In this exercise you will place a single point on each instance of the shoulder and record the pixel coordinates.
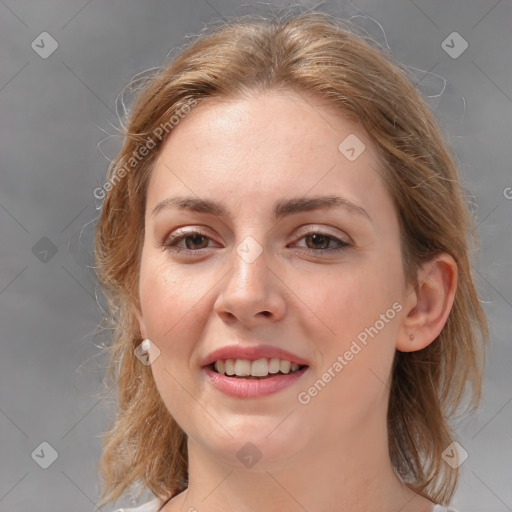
(150, 506)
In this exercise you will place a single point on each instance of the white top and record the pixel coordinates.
(152, 506)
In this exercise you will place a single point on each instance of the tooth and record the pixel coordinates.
(284, 366)
(242, 367)
(259, 368)
(273, 365)
(229, 366)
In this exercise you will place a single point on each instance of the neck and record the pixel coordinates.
(351, 469)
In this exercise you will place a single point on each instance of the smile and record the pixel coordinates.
(243, 378)
(260, 368)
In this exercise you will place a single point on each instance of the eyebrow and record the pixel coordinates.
(282, 208)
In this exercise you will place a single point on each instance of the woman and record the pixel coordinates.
(284, 248)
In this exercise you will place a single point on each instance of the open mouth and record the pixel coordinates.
(244, 378)
(229, 372)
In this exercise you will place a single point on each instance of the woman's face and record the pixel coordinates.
(248, 279)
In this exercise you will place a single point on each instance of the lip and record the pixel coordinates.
(252, 353)
(248, 388)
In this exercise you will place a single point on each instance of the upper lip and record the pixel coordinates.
(252, 353)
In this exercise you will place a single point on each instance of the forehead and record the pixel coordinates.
(273, 144)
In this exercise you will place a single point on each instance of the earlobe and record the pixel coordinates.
(428, 306)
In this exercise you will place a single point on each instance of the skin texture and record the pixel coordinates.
(248, 154)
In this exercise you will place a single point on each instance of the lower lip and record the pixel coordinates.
(248, 388)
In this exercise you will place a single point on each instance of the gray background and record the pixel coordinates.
(57, 118)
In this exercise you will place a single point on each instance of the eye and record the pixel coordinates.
(192, 240)
(316, 242)
(319, 242)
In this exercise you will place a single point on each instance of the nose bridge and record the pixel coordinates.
(249, 267)
(251, 287)
(249, 250)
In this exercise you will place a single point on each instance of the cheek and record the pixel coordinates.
(169, 296)
(353, 298)
(170, 302)
(365, 343)
(360, 305)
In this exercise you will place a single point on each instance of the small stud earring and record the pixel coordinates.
(145, 345)
(147, 352)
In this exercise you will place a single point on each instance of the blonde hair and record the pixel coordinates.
(316, 54)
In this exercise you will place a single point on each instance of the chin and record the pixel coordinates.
(252, 448)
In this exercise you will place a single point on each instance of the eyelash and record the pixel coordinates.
(171, 243)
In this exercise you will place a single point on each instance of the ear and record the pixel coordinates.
(428, 304)
(140, 320)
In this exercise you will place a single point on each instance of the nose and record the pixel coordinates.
(251, 292)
